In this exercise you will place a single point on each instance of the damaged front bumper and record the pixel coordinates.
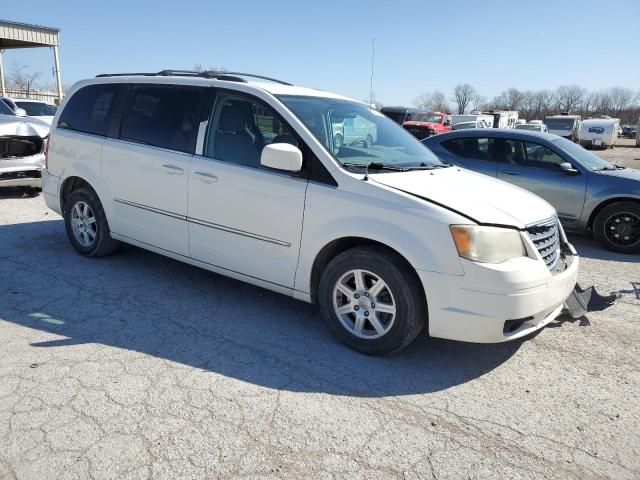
(21, 161)
(494, 303)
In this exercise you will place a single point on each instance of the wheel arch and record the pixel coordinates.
(606, 203)
(70, 185)
(339, 245)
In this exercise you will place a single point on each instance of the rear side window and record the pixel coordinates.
(89, 110)
(474, 148)
(165, 116)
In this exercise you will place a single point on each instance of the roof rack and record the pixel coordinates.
(218, 75)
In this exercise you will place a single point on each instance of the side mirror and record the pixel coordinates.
(567, 168)
(20, 112)
(282, 156)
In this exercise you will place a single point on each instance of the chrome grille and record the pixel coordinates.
(546, 238)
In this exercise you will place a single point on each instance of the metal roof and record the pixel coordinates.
(24, 35)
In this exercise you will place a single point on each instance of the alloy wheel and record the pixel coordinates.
(364, 304)
(83, 224)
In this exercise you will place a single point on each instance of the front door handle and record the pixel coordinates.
(205, 177)
(172, 170)
(509, 172)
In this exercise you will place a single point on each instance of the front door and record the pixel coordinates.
(147, 168)
(243, 217)
(536, 167)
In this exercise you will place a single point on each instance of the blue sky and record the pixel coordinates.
(420, 46)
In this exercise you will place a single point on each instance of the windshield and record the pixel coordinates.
(427, 117)
(559, 123)
(534, 127)
(357, 135)
(582, 155)
(37, 109)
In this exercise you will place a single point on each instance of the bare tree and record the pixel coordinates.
(199, 68)
(621, 99)
(569, 97)
(22, 77)
(463, 95)
(478, 102)
(435, 101)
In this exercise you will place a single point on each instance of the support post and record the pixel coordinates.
(57, 73)
(3, 88)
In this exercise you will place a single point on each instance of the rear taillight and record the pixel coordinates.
(46, 152)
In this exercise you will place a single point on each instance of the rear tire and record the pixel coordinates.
(373, 318)
(86, 224)
(617, 227)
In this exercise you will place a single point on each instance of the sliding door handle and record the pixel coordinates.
(205, 177)
(509, 172)
(172, 170)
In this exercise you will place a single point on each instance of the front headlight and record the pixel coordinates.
(487, 244)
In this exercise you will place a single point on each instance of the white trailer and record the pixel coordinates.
(472, 117)
(599, 132)
(503, 118)
(567, 126)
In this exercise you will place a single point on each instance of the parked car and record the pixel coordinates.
(567, 126)
(36, 108)
(354, 131)
(399, 114)
(473, 124)
(424, 124)
(22, 144)
(599, 132)
(533, 127)
(242, 179)
(590, 194)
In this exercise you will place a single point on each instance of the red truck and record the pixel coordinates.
(425, 124)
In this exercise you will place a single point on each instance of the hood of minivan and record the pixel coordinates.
(479, 197)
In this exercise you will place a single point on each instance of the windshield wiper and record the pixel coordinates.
(427, 166)
(375, 166)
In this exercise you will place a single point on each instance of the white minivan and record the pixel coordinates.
(244, 179)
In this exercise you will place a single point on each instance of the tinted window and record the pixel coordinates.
(164, 116)
(5, 109)
(542, 157)
(89, 109)
(513, 152)
(241, 127)
(475, 148)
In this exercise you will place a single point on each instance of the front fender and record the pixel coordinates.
(423, 240)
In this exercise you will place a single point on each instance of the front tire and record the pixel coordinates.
(86, 224)
(617, 227)
(372, 300)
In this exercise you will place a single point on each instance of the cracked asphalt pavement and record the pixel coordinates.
(138, 366)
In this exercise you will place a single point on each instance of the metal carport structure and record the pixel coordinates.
(22, 35)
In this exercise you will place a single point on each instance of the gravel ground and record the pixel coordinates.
(137, 366)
